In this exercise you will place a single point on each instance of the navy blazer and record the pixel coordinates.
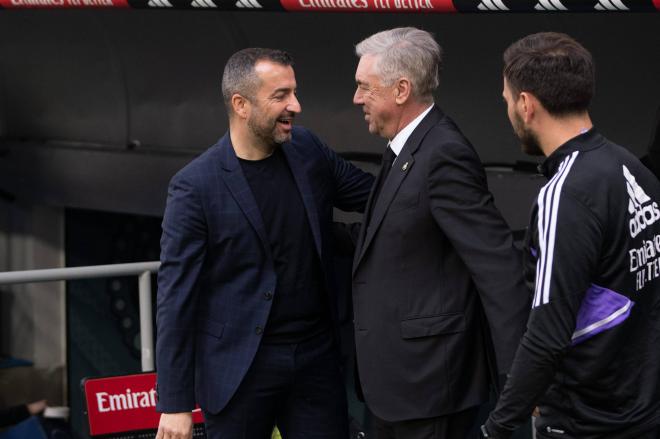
(217, 275)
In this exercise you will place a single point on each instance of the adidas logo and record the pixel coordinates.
(643, 212)
(492, 5)
(610, 5)
(550, 5)
(203, 4)
(160, 4)
(249, 4)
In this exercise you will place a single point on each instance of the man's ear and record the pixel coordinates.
(527, 106)
(240, 105)
(402, 90)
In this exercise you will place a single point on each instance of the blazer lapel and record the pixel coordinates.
(365, 217)
(300, 175)
(379, 207)
(233, 176)
(400, 168)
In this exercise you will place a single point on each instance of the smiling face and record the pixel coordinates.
(528, 139)
(377, 100)
(274, 105)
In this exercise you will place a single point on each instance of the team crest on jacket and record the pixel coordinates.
(642, 209)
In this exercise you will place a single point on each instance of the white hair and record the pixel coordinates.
(405, 51)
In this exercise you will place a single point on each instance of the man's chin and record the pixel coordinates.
(282, 138)
(373, 129)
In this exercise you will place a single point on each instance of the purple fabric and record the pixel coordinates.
(534, 252)
(598, 308)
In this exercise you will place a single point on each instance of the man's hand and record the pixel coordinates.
(175, 426)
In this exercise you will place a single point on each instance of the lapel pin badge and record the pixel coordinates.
(404, 167)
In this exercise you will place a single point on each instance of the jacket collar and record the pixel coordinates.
(376, 209)
(235, 180)
(583, 142)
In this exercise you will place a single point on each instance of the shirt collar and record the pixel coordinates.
(400, 139)
(585, 141)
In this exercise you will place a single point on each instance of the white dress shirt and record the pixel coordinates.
(400, 139)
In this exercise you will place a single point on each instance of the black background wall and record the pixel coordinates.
(99, 108)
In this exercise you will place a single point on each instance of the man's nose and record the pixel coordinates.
(294, 105)
(357, 97)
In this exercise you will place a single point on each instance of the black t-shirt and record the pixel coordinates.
(299, 309)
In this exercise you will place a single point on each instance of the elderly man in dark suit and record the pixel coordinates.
(247, 311)
(437, 282)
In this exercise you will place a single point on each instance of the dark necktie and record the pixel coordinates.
(386, 165)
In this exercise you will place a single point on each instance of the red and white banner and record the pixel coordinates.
(369, 5)
(351, 6)
(123, 403)
(9, 4)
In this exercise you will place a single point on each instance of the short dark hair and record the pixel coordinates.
(555, 68)
(239, 75)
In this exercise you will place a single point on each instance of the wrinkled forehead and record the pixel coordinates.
(367, 69)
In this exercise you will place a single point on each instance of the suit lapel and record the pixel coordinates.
(367, 214)
(300, 175)
(233, 176)
(379, 207)
(405, 160)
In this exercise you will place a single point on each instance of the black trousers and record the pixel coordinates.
(453, 426)
(297, 387)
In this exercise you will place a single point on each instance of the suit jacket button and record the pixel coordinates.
(259, 330)
(268, 295)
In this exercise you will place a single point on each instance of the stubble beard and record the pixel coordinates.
(266, 130)
(529, 141)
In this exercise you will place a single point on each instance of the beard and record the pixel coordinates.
(266, 129)
(529, 141)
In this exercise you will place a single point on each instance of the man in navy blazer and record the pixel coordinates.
(247, 312)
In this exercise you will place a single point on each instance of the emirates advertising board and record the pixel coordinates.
(402, 6)
(124, 403)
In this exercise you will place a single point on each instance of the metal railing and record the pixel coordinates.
(141, 269)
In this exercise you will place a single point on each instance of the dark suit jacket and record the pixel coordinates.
(217, 276)
(433, 258)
